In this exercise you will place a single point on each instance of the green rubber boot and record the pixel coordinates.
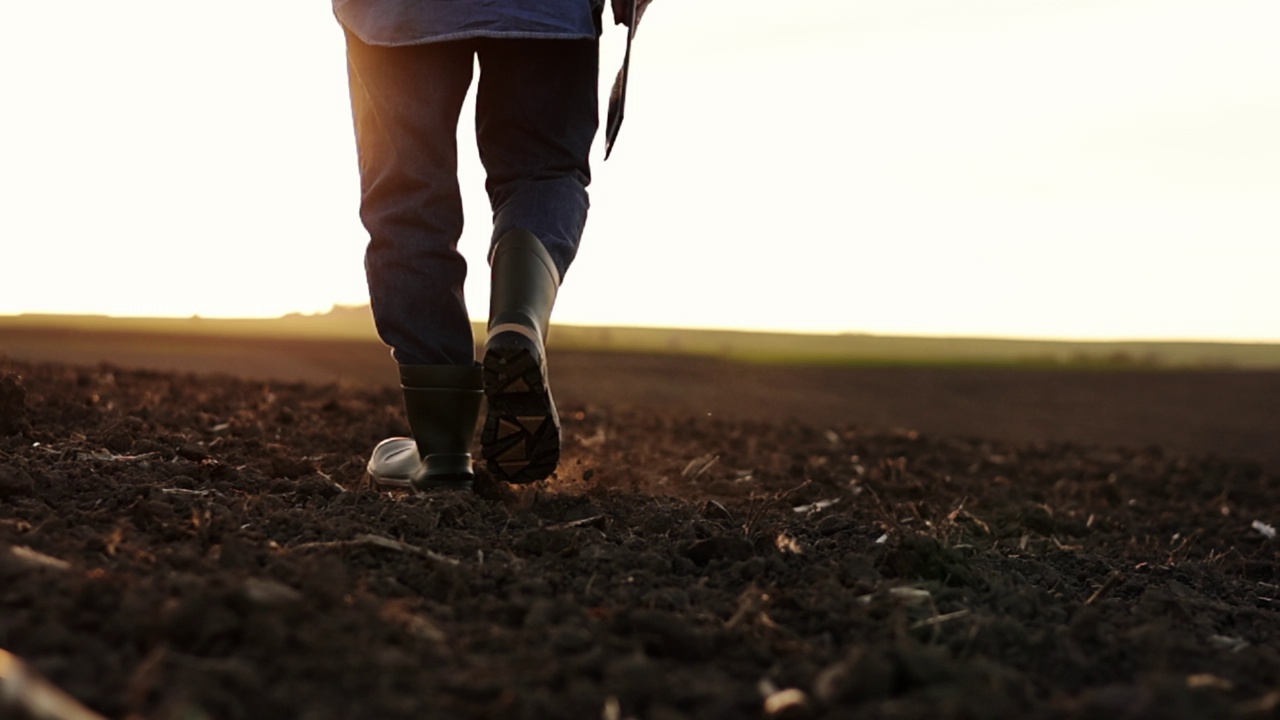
(443, 404)
(520, 441)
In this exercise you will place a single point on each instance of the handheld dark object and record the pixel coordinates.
(618, 95)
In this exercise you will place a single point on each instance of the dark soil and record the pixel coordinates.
(195, 546)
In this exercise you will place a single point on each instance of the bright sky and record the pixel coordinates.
(1064, 168)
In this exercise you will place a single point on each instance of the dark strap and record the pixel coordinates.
(618, 95)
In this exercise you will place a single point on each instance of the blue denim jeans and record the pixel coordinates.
(536, 117)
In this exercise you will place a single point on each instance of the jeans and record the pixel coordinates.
(536, 117)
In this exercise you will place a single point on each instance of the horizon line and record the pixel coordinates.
(692, 328)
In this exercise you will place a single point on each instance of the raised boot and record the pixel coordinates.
(520, 441)
(442, 403)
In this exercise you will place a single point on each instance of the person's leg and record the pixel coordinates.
(535, 121)
(536, 117)
(405, 102)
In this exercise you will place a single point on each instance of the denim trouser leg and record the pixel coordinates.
(405, 102)
(536, 118)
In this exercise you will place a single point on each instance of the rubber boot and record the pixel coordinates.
(520, 441)
(442, 403)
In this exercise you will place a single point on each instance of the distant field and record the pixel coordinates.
(354, 323)
(782, 348)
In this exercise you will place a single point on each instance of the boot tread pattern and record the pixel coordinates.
(520, 441)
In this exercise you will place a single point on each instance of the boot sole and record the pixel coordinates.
(520, 442)
(427, 486)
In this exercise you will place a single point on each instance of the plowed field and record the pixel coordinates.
(188, 546)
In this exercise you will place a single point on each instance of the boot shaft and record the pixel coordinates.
(524, 284)
(442, 403)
